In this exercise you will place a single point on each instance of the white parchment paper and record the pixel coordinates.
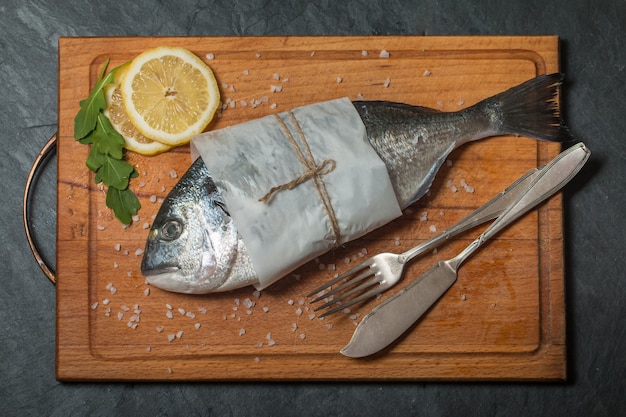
(248, 159)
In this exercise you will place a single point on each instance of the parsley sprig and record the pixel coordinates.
(106, 158)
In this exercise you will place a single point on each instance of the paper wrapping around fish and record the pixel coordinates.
(298, 183)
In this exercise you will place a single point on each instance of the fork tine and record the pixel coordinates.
(368, 272)
(358, 288)
(362, 297)
(354, 290)
(351, 271)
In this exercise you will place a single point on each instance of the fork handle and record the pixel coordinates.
(488, 211)
(551, 178)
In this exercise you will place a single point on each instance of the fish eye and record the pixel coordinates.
(171, 230)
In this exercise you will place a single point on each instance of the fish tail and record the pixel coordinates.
(531, 109)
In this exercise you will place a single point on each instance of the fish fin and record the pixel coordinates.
(530, 109)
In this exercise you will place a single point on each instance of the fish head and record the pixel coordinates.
(192, 243)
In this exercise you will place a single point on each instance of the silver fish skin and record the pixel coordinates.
(194, 247)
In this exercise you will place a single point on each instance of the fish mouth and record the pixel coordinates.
(149, 272)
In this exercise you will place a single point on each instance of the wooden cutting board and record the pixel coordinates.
(503, 319)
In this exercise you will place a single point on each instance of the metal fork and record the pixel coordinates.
(385, 269)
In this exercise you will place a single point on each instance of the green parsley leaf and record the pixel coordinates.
(106, 157)
(124, 203)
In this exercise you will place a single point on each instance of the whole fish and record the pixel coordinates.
(194, 246)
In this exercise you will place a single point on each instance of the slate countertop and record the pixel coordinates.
(592, 55)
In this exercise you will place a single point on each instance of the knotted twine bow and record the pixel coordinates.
(313, 172)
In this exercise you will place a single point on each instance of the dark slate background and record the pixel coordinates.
(593, 56)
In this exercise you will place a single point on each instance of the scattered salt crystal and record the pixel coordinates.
(290, 302)
(461, 102)
(313, 53)
(266, 309)
(245, 72)
(294, 327)
(243, 103)
(136, 218)
(311, 316)
(106, 301)
(387, 82)
(169, 370)
(464, 297)
(256, 294)
(168, 306)
(426, 73)
(146, 225)
(248, 303)
(364, 53)
(339, 80)
(160, 329)
(360, 96)
(94, 305)
(347, 310)
(148, 349)
(277, 76)
(197, 326)
(100, 227)
(432, 228)
(424, 216)
(107, 312)
(299, 311)
(328, 326)
(466, 187)
(171, 337)
(181, 311)
(232, 90)
(190, 315)
(146, 292)
(210, 56)
(120, 315)
(257, 359)
(173, 174)
(321, 267)
(169, 314)
(331, 267)
(179, 334)
(397, 241)
(202, 310)
(139, 252)
(276, 88)
(448, 163)
(346, 260)
(117, 247)
(125, 308)
(116, 265)
(384, 54)
(301, 301)
(302, 336)
(258, 55)
(242, 332)
(271, 342)
(273, 106)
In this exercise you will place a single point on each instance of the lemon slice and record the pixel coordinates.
(169, 94)
(116, 113)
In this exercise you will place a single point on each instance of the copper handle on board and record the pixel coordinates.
(48, 149)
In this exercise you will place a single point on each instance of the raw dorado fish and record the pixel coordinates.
(194, 246)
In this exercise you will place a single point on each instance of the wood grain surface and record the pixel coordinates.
(503, 320)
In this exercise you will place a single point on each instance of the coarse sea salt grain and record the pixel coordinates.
(169, 314)
(242, 332)
(179, 334)
(181, 311)
(384, 54)
(146, 292)
(197, 326)
(426, 73)
(94, 305)
(387, 82)
(210, 56)
(160, 329)
(117, 247)
(171, 337)
(432, 228)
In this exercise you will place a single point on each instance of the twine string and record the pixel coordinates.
(312, 172)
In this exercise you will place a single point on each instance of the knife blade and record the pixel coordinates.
(393, 317)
